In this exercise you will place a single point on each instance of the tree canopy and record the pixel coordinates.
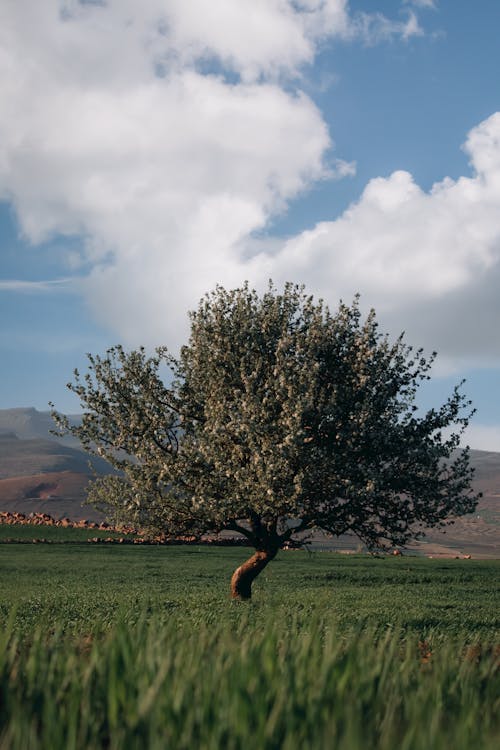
(278, 417)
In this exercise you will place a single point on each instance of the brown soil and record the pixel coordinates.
(59, 494)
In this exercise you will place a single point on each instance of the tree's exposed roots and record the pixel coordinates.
(243, 577)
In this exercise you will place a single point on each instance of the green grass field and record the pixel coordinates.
(141, 647)
(55, 534)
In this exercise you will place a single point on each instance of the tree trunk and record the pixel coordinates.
(243, 577)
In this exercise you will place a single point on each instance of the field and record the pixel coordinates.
(56, 534)
(135, 647)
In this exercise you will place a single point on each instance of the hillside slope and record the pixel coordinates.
(40, 474)
(25, 457)
(27, 423)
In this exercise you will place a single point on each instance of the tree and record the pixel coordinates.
(280, 418)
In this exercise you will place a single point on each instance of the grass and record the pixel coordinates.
(132, 647)
(54, 534)
(248, 686)
(85, 588)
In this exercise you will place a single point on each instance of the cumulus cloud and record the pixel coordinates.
(109, 130)
(122, 41)
(415, 244)
(167, 134)
(161, 132)
(428, 261)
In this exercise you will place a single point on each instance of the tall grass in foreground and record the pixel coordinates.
(247, 686)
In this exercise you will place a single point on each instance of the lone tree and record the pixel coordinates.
(280, 418)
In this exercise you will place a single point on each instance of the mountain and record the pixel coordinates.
(42, 473)
(28, 423)
(26, 457)
(477, 534)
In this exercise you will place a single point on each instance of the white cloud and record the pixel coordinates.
(421, 3)
(428, 261)
(124, 40)
(112, 127)
(35, 287)
(165, 176)
(373, 28)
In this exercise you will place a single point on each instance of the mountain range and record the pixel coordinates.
(40, 472)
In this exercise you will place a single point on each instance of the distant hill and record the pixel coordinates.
(25, 457)
(477, 534)
(41, 473)
(28, 423)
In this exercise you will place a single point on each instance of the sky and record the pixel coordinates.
(152, 149)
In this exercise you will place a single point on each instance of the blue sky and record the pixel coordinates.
(149, 150)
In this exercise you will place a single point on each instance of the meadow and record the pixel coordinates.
(134, 647)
